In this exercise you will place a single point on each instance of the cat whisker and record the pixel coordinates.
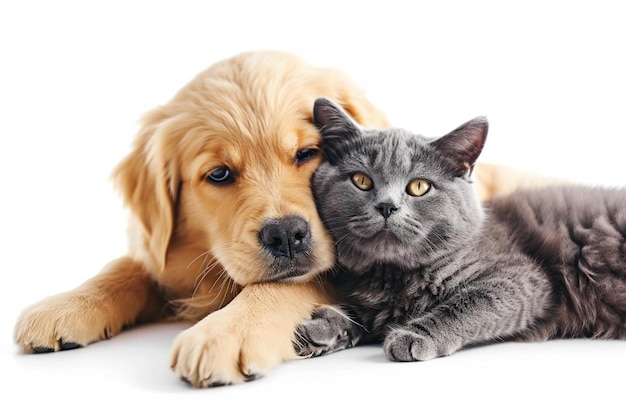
(347, 317)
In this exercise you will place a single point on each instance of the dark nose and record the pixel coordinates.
(386, 209)
(285, 237)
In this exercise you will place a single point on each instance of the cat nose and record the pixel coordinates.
(285, 237)
(386, 209)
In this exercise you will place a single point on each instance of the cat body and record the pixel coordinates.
(426, 269)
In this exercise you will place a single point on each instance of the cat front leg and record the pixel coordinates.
(328, 330)
(485, 310)
(438, 332)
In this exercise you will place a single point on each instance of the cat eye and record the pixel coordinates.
(220, 176)
(418, 188)
(362, 181)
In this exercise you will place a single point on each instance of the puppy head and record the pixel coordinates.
(225, 168)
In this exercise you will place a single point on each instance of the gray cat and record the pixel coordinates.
(424, 268)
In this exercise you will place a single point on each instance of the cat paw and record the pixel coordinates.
(328, 330)
(406, 346)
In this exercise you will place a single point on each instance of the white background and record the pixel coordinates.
(76, 76)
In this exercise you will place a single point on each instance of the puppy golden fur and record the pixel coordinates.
(215, 179)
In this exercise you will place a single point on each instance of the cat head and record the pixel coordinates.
(394, 197)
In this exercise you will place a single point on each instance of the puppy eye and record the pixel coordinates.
(304, 155)
(418, 188)
(220, 176)
(362, 181)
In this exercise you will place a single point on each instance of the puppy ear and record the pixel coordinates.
(353, 99)
(364, 112)
(148, 181)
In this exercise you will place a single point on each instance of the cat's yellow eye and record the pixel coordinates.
(362, 181)
(418, 188)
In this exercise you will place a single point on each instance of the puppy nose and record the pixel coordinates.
(286, 236)
(386, 209)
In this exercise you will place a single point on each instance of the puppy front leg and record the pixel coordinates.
(249, 337)
(121, 294)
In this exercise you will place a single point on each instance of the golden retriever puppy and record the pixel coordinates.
(223, 229)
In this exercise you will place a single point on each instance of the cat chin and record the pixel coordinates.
(366, 257)
(361, 253)
(386, 237)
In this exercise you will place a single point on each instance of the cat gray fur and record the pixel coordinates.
(430, 275)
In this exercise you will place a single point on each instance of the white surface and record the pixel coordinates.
(76, 78)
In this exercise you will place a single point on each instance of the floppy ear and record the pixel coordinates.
(464, 144)
(352, 98)
(363, 111)
(148, 181)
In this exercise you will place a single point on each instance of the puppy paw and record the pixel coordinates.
(329, 330)
(223, 349)
(62, 322)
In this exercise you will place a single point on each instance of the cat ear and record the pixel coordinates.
(331, 117)
(464, 144)
(336, 127)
